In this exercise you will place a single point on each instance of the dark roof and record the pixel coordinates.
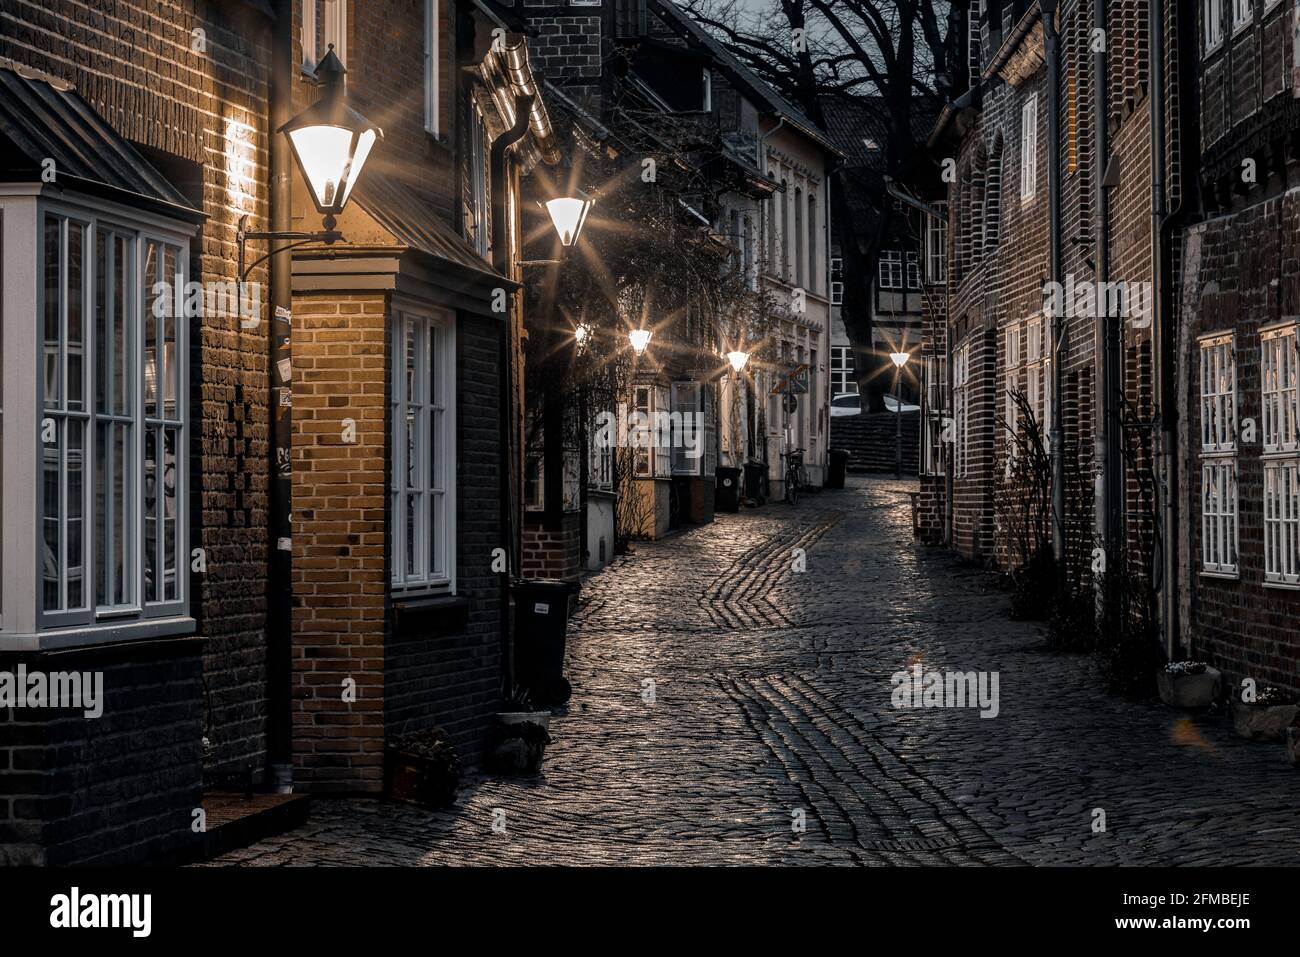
(749, 82)
(402, 211)
(45, 118)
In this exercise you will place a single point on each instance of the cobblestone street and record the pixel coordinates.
(772, 697)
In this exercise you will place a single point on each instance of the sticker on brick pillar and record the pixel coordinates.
(284, 544)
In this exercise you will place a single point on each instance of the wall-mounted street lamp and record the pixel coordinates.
(640, 339)
(582, 336)
(900, 358)
(568, 216)
(737, 360)
(331, 143)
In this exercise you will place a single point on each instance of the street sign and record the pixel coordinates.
(794, 382)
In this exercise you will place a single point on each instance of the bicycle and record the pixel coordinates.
(796, 476)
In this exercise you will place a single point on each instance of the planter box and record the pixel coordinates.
(422, 768)
(518, 742)
(1189, 691)
(1268, 723)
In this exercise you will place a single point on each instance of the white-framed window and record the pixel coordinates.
(112, 428)
(432, 66)
(813, 284)
(600, 464)
(1243, 12)
(913, 271)
(936, 387)
(842, 369)
(1029, 148)
(687, 428)
(961, 410)
(1037, 360)
(1279, 376)
(891, 269)
(837, 281)
(1218, 395)
(422, 480)
(1218, 377)
(936, 247)
(1212, 23)
(477, 213)
(1010, 415)
(652, 447)
(324, 22)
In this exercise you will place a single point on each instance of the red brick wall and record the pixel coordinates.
(552, 553)
(339, 556)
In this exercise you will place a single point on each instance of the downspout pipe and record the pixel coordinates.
(1052, 56)
(1164, 332)
(279, 565)
(1106, 373)
(503, 260)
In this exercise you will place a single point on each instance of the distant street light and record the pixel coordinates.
(900, 360)
(640, 340)
(737, 360)
(582, 336)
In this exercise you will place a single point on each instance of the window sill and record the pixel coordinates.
(430, 615)
(1223, 576)
(1282, 586)
(85, 636)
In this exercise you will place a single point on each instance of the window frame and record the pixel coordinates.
(936, 247)
(1212, 16)
(28, 625)
(478, 205)
(335, 21)
(436, 343)
(432, 79)
(1029, 148)
(1243, 15)
(1220, 505)
(893, 260)
(1279, 376)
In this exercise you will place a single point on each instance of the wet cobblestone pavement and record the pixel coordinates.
(772, 703)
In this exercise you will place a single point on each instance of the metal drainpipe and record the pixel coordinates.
(1163, 333)
(1051, 46)
(279, 581)
(503, 256)
(1104, 487)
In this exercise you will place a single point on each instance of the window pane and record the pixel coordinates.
(76, 324)
(76, 545)
(123, 367)
(53, 294)
(171, 515)
(151, 590)
(104, 247)
(152, 269)
(168, 322)
(52, 516)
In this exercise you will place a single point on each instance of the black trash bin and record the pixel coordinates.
(839, 463)
(726, 497)
(541, 624)
(756, 482)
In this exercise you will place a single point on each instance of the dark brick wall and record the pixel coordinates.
(1241, 274)
(116, 789)
(135, 62)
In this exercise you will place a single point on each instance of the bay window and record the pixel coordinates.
(103, 465)
(423, 467)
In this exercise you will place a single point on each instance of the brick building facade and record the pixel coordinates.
(153, 523)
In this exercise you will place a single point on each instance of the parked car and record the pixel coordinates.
(846, 403)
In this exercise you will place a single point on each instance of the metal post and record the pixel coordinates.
(898, 425)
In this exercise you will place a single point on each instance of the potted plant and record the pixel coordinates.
(1267, 717)
(520, 736)
(422, 768)
(1188, 684)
